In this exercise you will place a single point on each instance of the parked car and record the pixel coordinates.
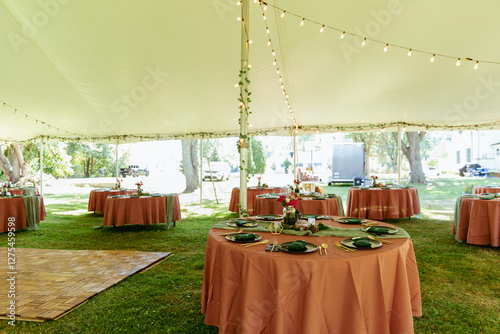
(472, 170)
(133, 170)
(220, 171)
(430, 171)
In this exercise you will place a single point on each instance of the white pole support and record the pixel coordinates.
(243, 144)
(399, 154)
(116, 167)
(41, 166)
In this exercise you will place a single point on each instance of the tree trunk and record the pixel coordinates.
(190, 164)
(11, 164)
(412, 153)
(18, 149)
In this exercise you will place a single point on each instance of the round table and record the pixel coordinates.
(477, 190)
(478, 221)
(144, 210)
(249, 290)
(252, 194)
(97, 197)
(382, 203)
(14, 208)
(328, 206)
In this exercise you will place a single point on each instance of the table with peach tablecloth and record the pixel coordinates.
(249, 290)
(252, 194)
(97, 197)
(14, 209)
(485, 189)
(380, 203)
(311, 206)
(144, 210)
(477, 221)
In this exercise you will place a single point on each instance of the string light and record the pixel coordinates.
(342, 35)
(238, 18)
(250, 41)
(238, 3)
(283, 14)
(302, 22)
(269, 42)
(264, 17)
(265, 7)
(476, 65)
(267, 30)
(458, 62)
(433, 58)
(322, 28)
(386, 47)
(409, 53)
(364, 42)
(236, 85)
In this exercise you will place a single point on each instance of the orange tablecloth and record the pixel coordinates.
(479, 222)
(329, 206)
(482, 189)
(252, 194)
(248, 290)
(14, 207)
(97, 198)
(382, 204)
(21, 191)
(139, 211)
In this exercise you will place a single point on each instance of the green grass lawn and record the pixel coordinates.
(460, 283)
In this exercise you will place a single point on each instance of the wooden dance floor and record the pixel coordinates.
(49, 283)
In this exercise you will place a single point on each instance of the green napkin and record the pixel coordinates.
(378, 230)
(361, 243)
(245, 237)
(241, 223)
(352, 220)
(298, 246)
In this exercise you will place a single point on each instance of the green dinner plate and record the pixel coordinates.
(232, 238)
(309, 248)
(351, 220)
(270, 217)
(350, 243)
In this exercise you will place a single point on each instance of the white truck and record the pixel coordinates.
(348, 163)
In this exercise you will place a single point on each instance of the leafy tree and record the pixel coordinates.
(287, 165)
(256, 157)
(88, 159)
(12, 162)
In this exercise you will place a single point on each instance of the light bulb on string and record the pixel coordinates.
(236, 85)
(433, 58)
(265, 7)
(383, 129)
(458, 62)
(250, 41)
(278, 71)
(283, 14)
(269, 42)
(364, 42)
(302, 22)
(476, 65)
(386, 47)
(264, 17)
(322, 28)
(342, 35)
(274, 53)
(409, 52)
(267, 30)
(238, 3)
(274, 63)
(238, 18)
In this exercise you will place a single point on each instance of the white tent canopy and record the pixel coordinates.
(132, 70)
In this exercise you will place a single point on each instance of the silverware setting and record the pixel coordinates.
(344, 248)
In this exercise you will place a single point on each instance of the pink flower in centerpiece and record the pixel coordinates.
(289, 200)
(139, 184)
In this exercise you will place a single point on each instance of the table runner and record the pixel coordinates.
(32, 207)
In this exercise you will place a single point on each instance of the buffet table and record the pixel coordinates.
(485, 189)
(249, 290)
(311, 206)
(144, 210)
(252, 194)
(380, 204)
(26, 216)
(97, 197)
(477, 221)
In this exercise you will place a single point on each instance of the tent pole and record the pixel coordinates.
(243, 144)
(116, 167)
(295, 160)
(41, 166)
(399, 154)
(201, 172)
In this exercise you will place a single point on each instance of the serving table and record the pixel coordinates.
(143, 210)
(307, 205)
(248, 290)
(252, 193)
(477, 221)
(97, 197)
(26, 212)
(485, 189)
(382, 203)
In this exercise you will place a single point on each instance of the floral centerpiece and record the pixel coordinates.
(297, 186)
(374, 181)
(258, 181)
(139, 187)
(118, 184)
(289, 202)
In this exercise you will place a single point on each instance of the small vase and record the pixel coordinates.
(289, 218)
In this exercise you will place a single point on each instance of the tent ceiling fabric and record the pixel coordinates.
(129, 69)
